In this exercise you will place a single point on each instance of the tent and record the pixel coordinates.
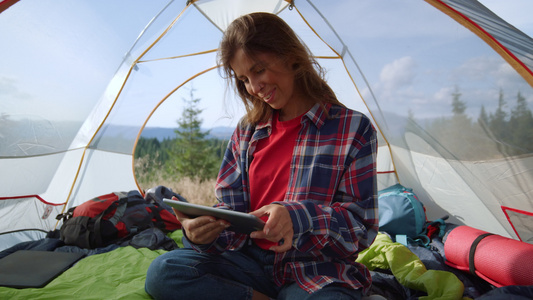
(81, 80)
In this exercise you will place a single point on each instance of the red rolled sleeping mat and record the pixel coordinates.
(499, 260)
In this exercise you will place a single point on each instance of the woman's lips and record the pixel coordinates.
(269, 96)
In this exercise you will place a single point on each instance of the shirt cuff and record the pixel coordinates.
(301, 219)
(202, 248)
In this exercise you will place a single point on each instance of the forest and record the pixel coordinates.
(507, 131)
(193, 157)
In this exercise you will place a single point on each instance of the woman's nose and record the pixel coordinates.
(255, 87)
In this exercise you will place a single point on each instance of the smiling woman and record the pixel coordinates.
(415, 68)
(268, 78)
(299, 160)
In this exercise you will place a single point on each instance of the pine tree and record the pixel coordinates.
(461, 123)
(483, 118)
(458, 106)
(191, 154)
(498, 120)
(521, 123)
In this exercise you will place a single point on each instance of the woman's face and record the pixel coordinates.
(270, 79)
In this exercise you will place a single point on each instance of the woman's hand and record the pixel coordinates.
(201, 230)
(278, 228)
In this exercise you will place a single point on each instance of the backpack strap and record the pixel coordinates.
(421, 240)
(122, 204)
(66, 215)
(119, 206)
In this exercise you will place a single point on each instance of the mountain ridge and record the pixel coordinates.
(161, 133)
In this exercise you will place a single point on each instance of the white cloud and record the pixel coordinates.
(477, 68)
(443, 94)
(403, 87)
(398, 74)
(489, 73)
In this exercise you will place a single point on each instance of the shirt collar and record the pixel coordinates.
(317, 115)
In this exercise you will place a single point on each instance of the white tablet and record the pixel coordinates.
(240, 222)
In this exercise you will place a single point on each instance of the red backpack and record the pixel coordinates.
(115, 217)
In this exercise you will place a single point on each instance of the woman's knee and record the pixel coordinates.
(156, 276)
(167, 271)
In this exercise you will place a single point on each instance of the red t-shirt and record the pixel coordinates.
(269, 170)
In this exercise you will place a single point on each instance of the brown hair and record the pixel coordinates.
(267, 33)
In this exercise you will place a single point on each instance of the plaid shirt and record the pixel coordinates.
(331, 197)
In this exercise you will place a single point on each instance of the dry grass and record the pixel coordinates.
(192, 190)
(195, 191)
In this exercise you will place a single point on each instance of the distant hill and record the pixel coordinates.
(161, 133)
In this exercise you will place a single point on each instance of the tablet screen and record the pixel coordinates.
(240, 222)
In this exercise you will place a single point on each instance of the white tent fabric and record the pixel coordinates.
(80, 81)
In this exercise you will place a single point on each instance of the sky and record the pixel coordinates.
(401, 76)
(54, 59)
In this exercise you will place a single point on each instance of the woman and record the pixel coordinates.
(298, 159)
